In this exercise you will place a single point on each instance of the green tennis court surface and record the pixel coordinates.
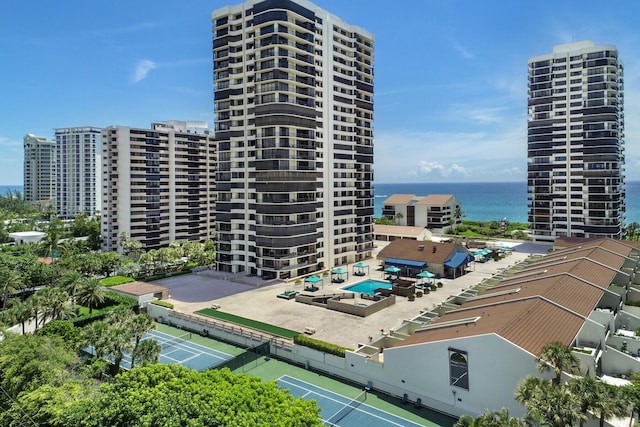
(180, 350)
(249, 323)
(339, 410)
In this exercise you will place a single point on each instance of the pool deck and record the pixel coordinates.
(259, 300)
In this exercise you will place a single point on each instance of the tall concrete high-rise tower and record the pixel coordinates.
(576, 142)
(39, 169)
(78, 158)
(294, 126)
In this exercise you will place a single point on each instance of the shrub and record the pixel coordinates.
(325, 347)
(439, 284)
(163, 304)
(64, 329)
(112, 299)
(427, 290)
(418, 294)
(412, 297)
(635, 303)
(116, 280)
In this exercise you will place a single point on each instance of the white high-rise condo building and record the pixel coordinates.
(158, 184)
(576, 142)
(39, 169)
(78, 152)
(294, 125)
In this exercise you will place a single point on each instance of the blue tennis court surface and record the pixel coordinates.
(339, 410)
(183, 352)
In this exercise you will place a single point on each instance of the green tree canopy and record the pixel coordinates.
(172, 395)
(30, 361)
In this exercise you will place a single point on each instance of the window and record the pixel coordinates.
(458, 369)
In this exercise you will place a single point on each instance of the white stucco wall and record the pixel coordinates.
(496, 367)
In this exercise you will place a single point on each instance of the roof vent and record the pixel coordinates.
(421, 247)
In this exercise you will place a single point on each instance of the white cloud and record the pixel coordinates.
(142, 69)
(512, 171)
(126, 29)
(466, 54)
(487, 153)
(482, 115)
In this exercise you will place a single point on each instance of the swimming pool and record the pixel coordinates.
(368, 286)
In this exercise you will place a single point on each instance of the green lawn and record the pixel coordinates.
(249, 323)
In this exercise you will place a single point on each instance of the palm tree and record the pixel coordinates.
(632, 393)
(120, 316)
(558, 357)
(21, 312)
(36, 304)
(95, 336)
(71, 282)
(91, 293)
(587, 389)
(56, 304)
(499, 418)
(468, 421)
(55, 231)
(117, 343)
(609, 403)
(139, 325)
(528, 389)
(147, 352)
(10, 282)
(547, 404)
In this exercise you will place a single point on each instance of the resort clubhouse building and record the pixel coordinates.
(294, 130)
(575, 142)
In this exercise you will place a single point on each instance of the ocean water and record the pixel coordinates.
(489, 201)
(12, 188)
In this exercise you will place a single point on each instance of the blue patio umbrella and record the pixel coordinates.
(425, 274)
(392, 269)
(313, 280)
(339, 272)
(360, 266)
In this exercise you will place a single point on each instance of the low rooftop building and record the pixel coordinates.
(437, 212)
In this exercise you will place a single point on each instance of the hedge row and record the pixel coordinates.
(116, 280)
(323, 346)
(163, 304)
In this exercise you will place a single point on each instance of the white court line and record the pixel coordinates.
(187, 347)
(343, 403)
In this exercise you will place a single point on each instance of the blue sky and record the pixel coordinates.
(450, 76)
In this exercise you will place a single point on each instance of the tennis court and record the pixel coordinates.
(339, 410)
(179, 350)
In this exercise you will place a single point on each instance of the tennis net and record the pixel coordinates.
(346, 410)
(177, 340)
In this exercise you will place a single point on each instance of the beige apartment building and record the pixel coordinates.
(78, 159)
(158, 184)
(437, 212)
(39, 169)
